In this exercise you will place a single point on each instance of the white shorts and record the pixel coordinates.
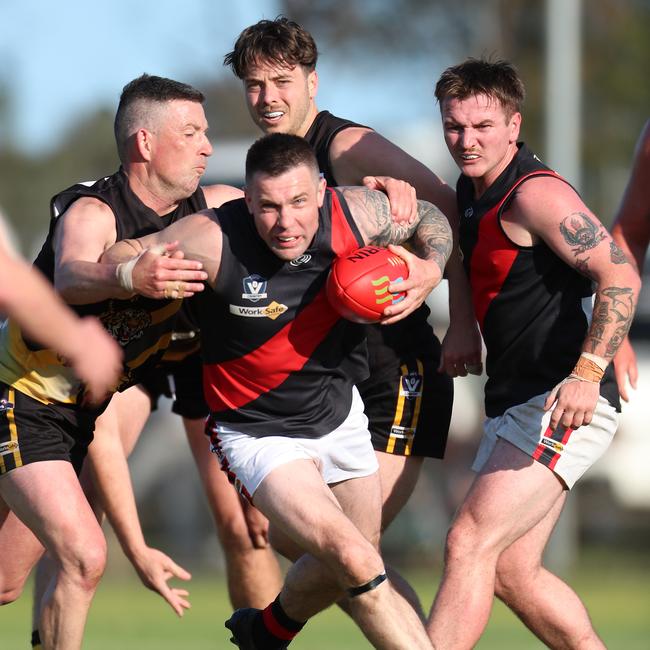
(567, 452)
(343, 454)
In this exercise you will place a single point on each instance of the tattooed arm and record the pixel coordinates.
(429, 236)
(550, 210)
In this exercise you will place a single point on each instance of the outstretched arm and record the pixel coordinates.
(196, 237)
(631, 232)
(27, 297)
(429, 236)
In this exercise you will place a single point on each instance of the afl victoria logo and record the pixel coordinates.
(254, 288)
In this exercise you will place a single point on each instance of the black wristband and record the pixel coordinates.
(369, 586)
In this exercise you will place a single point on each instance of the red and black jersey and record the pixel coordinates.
(409, 335)
(278, 360)
(142, 326)
(533, 308)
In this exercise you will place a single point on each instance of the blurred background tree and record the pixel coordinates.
(616, 94)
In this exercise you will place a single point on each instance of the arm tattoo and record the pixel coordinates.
(430, 235)
(614, 306)
(580, 232)
(616, 254)
(432, 239)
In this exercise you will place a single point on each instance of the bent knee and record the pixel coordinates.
(10, 593)
(465, 541)
(84, 565)
(359, 562)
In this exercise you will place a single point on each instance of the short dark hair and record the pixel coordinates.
(496, 79)
(137, 100)
(280, 41)
(276, 153)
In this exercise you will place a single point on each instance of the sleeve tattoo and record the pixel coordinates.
(612, 305)
(430, 235)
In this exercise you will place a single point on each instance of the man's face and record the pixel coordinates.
(480, 136)
(280, 98)
(180, 147)
(285, 209)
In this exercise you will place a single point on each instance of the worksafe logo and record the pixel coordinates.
(271, 311)
(403, 433)
(9, 447)
(254, 288)
(556, 446)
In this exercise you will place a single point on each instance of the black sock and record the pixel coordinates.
(36, 640)
(272, 627)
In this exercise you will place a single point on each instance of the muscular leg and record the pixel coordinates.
(15, 566)
(116, 432)
(398, 476)
(253, 572)
(546, 605)
(511, 495)
(339, 530)
(69, 531)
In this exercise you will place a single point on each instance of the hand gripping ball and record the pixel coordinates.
(357, 286)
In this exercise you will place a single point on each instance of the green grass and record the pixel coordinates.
(125, 616)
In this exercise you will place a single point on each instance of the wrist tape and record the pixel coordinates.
(124, 273)
(589, 368)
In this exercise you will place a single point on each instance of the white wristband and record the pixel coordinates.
(124, 273)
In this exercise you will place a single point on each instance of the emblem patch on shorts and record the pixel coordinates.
(9, 447)
(5, 405)
(556, 446)
(411, 385)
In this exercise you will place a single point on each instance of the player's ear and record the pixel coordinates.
(515, 126)
(322, 184)
(312, 83)
(249, 199)
(143, 141)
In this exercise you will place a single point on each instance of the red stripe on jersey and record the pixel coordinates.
(492, 259)
(343, 239)
(232, 384)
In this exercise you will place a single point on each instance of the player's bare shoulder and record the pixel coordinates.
(218, 194)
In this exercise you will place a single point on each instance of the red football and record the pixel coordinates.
(357, 286)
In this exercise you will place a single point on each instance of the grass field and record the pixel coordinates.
(127, 617)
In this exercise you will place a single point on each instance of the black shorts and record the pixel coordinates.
(407, 401)
(31, 431)
(181, 381)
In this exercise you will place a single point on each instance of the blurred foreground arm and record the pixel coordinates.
(27, 297)
(631, 231)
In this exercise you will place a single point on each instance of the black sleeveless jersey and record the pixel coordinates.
(534, 309)
(142, 326)
(413, 332)
(277, 358)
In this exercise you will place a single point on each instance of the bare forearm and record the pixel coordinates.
(81, 283)
(113, 483)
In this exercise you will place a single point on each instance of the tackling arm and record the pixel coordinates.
(429, 235)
